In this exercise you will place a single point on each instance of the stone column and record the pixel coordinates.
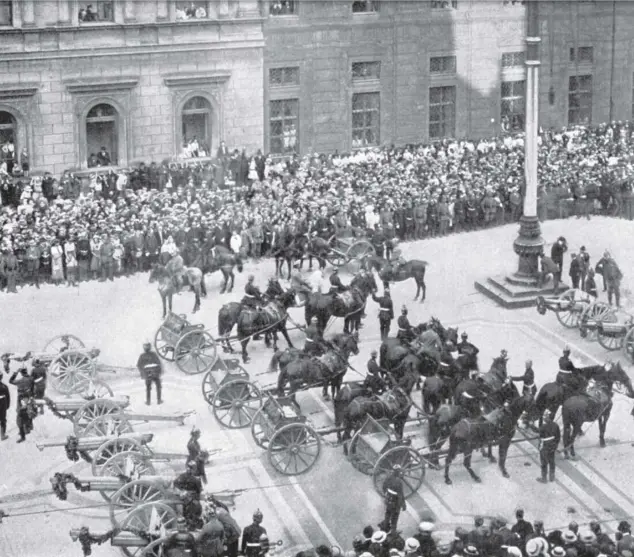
(28, 13)
(529, 243)
(63, 11)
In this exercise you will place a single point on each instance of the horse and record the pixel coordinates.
(287, 251)
(327, 369)
(393, 405)
(269, 319)
(220, 258)
(595, 404)
(493, 386)
(349, 304)
(414, 268)
(314, 246)
(230, 312)
(497, 426)
(191, 276)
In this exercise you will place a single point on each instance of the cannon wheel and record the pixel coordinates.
(98, 389)
(111, 448)
(163, 346)
(134, 494)
(141, 518)
(412, 469)
(294, 449)
(357, 252)
(195, 352)
(609, 341)
(359, 459)
(209, 387)
(63, 342)
(108, 425)
(336, 259)
(235, 403)
(594, 312)
(72, 371)
(153, 549)
(628, 345)
(131, 464)
(261, 428)
(91, 410)
(568, 317)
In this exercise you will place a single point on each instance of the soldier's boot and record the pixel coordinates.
(542, 479)
(3, 434)
(551, 477)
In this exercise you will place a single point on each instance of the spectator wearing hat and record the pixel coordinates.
(70, 258)
(584, 264)
(95, 252)
(600, 268)
(558, 551)
(32, 259)
(537, 547)
(589, 284)
(557, 255)
(83, 255)
(479, 533)
(106, 255)
(412, 547)
(522, 528)
(151, 370)
(379, 546)
(548, 268)
(425, 539)
(575, 270)
(590, 546)
(9, 268)
(57, 262)
(604, 542)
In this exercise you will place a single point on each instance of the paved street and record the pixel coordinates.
(333, 501)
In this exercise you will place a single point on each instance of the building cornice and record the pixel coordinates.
(196, 80)
(101, 84)
(19, 92)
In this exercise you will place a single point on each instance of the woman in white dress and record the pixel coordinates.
(57, 262)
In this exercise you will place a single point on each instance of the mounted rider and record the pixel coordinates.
(465, 347)
(336, 286)
(397, 260)
(252, 296)
(568, 376)
(373, 381)
(405, 331)
(314, 339)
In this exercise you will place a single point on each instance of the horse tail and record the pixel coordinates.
(226, 321)
(275, 360)
(239, 263)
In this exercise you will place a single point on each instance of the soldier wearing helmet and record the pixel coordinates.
(196, 454)
(465, 347)
(405, 333)
(549, 436)
(314, 339)
(251, 536)
(394, 498)
(188, 481)
(568, 376)
(373, 381)
(151, 370)
(386, 312)
(252, 295)
(38, 374)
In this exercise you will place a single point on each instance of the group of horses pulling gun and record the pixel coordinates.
(612, 327)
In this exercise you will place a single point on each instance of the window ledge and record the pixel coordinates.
(18, 92)
(99, 85)
(96, 23)
(365, 14)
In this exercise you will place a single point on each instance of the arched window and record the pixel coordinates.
(197, 126)
(102, 132)
(8, 134)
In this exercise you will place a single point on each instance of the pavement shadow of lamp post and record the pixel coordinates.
(521, 288)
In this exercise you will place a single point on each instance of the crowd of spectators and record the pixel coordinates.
(492, 538)
(410, 192)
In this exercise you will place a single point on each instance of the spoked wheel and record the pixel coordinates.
(357, 252)
(134, 494)
(359, 455)
(110, 425)
(195, 352)
(153, 549)
(129, 464)
(262, 429)
(610, 339)
(72, 371)
(628, 345)
(568, 316)
(294, 449)
(111, 448)
(61, 343)
(163, 345)
(155, 516)
(336, 259)
(91, 410)
(412, 469)
(209, 387)
(235, 403)
(98, 389)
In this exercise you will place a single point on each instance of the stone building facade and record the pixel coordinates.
(140, 77)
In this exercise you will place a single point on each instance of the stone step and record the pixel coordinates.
(515, 289)
(513, 296)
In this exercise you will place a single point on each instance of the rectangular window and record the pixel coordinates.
(512, 59)
(442, 64)
(283, 7)
(365, 6)
(366, 119)
(513, 105)
(580, 100)
(366, 70)
(96, 11)
(6, 13)
(513, 2)
(442, 112)
(284, 126)
(582, 55)
(186, 10)
(444, 4)
(283, 77)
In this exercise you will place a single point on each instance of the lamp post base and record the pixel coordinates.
(528, 245)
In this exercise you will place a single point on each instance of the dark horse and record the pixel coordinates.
(229, 314)
(492, 386)
(497, 426)
(390, 272)
(305, 372)
(595, 404)
(314, 246)
(348, 304)
(269, 319)
(191, 277)
(287, 249)
(220, 258)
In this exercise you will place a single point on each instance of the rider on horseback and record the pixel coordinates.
(336, 285)
(373, 381)
(465, 347)
(405, 332)
(397, 260)
(314, 339)
(568, 376)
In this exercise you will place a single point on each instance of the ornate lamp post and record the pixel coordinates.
(529, 243)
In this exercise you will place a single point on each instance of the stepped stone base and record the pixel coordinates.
(516, 291)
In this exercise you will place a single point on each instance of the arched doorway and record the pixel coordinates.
(8, 134)
(102, 132)
(196, 118)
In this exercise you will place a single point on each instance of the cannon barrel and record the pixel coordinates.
(112, 483)
(74, 404)
(122, 539)
(180, 418)
(93, 443)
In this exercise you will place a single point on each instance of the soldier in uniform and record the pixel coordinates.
(386, 312)
(5, 404)
(323, 225)
(38, 374)
(252, 295)
(181, 543)
(465, 347)
(189, 481)
(314, 339)
(549, 436)
(151, 369)
(405, 333)
(394, 498)
(197, 454)
(336, 285)
(528, 378)
(24, 383)
(590, 284)
(373, 382)
(251, 536)
(568, 376)
(390, 236)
